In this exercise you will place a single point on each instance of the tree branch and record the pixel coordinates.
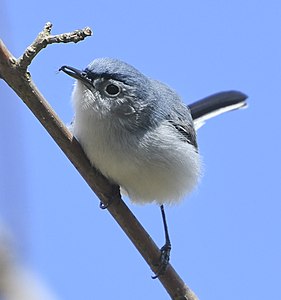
(14, 72)
(45, 38)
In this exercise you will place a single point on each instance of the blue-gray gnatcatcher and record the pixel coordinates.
(139, 134)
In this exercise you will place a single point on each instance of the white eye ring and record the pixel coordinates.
(112, 90)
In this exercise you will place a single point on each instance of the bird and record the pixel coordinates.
(139, 133)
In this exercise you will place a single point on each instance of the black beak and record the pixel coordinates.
(77, 74)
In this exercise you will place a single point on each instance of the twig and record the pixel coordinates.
(45, 38)
(14, 73)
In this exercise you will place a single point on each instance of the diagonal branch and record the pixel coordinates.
(14, 73)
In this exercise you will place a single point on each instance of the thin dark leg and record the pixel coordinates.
(166, 249)
(167, 238)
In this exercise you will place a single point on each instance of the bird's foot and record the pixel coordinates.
(113, 196)
(164, 260)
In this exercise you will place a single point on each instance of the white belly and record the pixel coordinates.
(147, 168)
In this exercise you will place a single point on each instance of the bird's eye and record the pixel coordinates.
(112, 90)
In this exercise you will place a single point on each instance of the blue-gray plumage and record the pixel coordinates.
(139, 133)
(136, 131)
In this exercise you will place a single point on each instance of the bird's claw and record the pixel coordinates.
(164, 260)
(113, 196)
(104, 206)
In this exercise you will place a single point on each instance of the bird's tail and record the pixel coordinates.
(215, 105)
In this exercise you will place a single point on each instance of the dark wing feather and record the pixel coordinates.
(187, 131)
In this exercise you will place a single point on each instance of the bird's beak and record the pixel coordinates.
(77, 74)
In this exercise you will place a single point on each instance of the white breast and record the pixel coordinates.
(148, 168)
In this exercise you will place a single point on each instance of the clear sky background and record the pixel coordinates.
(226, 235)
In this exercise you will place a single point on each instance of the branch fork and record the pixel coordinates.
(45, 38)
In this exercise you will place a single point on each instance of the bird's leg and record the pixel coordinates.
(165, 250)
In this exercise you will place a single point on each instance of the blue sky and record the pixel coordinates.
(226, 235)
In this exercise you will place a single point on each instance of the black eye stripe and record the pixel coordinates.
(98, 80)
(90, 75)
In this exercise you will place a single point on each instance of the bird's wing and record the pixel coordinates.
(187, 132)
